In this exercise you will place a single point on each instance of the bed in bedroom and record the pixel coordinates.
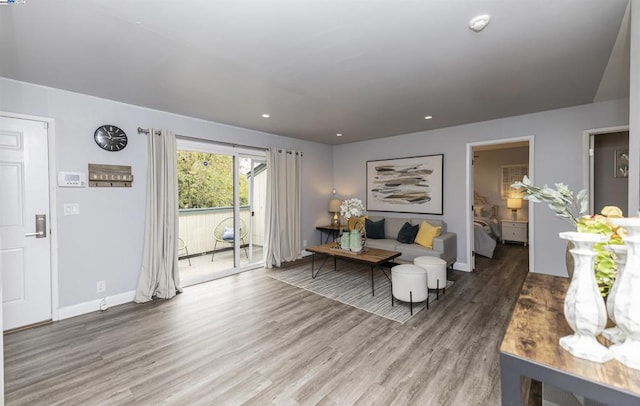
(486, 226)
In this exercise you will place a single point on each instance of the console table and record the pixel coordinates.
(530, 349)
(332, 232)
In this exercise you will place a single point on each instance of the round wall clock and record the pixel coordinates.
(110, 138)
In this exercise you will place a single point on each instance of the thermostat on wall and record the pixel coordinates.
(72, 179)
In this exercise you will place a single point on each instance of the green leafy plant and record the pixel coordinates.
(561, 200)
(604, 264)
(573, 209)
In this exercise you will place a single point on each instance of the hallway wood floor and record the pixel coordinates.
(250, 339)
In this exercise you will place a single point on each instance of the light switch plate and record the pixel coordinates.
(71, 209)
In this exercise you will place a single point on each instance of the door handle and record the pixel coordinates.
(41, 227)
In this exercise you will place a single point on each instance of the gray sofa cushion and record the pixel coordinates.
(383, 244)
(392, 226)
(411, 251)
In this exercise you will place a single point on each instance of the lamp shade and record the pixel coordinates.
(334, 205)
(514, 203)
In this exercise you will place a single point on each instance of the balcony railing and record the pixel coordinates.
(196, 228)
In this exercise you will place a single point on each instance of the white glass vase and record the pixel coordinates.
(584, 307)
(344, 240)
(626, 308)
(615, 334)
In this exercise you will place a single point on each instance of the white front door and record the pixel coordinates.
(24, 194)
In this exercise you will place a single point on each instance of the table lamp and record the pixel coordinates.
(514, 203)
(334, 207)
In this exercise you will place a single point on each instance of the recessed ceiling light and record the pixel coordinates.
(478, 23)
(338, 135)
(266, 116)
(428, 117)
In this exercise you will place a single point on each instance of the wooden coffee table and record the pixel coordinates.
(373, 256)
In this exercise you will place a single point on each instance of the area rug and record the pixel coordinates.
(351, 285)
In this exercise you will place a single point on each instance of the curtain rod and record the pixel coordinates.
(229, 144)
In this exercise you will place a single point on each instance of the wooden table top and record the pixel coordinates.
(369, 255)
(537, 324)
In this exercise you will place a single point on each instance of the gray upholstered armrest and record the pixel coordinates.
(447, 245)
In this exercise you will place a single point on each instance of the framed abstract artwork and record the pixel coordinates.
(406, 185)
(621, 163)
(511, 174)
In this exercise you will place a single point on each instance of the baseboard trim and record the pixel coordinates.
(461, 266)
(94, 305)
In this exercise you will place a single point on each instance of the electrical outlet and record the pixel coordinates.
(304, 243)
(101, 286)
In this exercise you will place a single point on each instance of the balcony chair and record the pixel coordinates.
(182, 247)
(224, 233)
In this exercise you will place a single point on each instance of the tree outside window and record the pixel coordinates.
(205, 180)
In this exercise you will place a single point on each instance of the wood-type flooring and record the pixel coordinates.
(251, 339)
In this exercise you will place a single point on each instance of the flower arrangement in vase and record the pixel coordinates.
(351, 208)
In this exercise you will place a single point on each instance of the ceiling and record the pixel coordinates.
(363, 68)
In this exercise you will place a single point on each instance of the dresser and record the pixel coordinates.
(515, 231)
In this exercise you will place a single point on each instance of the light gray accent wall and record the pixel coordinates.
(607, 189)
(104, 242)
(487, 176)
(558, 158)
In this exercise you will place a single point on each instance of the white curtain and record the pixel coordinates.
(283, 206)
(159, 276)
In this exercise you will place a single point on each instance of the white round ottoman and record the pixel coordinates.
(409, 284)
(436, 272)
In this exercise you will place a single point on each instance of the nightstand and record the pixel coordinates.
(515, 231)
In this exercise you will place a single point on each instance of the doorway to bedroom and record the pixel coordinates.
(499, 224)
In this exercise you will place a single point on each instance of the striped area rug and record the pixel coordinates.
(351, 285)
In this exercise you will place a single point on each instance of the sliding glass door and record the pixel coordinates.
(221, 228)
(252, 170)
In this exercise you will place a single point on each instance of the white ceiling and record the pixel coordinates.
(363, 68)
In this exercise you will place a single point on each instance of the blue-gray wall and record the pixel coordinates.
(118, 214)
(558, 157)
(111, 216)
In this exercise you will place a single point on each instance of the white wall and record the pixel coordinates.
(558, 157)
(487, 176)
(104, 242)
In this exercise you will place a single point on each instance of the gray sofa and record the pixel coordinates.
(444, 247)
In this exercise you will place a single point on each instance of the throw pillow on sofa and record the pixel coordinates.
(426, 234)
(407, 234)
(375, 229)
(477, 211)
